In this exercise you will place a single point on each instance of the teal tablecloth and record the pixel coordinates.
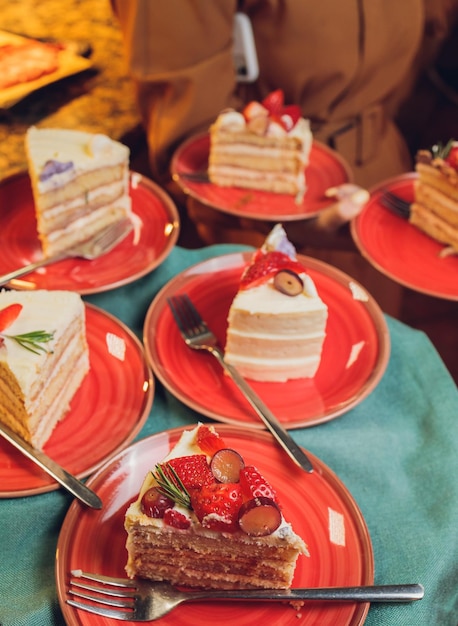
(397, 452)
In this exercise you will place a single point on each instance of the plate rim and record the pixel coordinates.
(181, 181)
(52, 485)
(365, 252)
(382, 330)
(332, 479)
(170, 210)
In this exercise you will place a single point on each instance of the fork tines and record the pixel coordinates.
(396, 204)
(186, 315)
(103, 592)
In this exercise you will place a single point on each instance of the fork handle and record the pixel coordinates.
(294, 451)
(374, 593)
(68, 481)
(26, 269)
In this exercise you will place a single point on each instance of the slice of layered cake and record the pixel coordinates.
(43, 359)
(277, 320)
(80, 184)
(264, 147)
(435, 207)
(204, 518)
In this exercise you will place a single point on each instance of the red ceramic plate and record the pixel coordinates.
(318, 505)
(401, 251)
(355, 352)
(326, 169)
(106, 413)
(156, 231)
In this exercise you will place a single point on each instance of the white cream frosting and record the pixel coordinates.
(113, 190)
(35, 316)
(235, 121)
(267, 299)
(86, 151)
(230, 119)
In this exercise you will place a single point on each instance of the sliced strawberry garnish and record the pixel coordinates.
(258, 125)
(293, 111)
(193, 470)
(265, 266)
(254, 109)
(217, 506)
(274, 102)
(451, 158)
(254, 485)
(209, 441)
(174, 518)
(8, 315)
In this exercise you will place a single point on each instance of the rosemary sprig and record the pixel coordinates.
(439, 151)
(32, 341)
(171, 485)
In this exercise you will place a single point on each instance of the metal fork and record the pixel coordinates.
(198, 336)
(103, 242)
(396, 204)
(143, 601)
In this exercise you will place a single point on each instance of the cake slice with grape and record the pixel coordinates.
(206, 518)
(277, 320)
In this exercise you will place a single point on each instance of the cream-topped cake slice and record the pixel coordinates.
(80, 184)
(277, 321)
(44, 358)
(435, 206)
(265, 147)
(206, 518)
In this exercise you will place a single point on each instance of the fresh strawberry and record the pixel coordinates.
(174, 518)
(293, 111)
(209, 441)
(254, 485)
(452, 157)
(258, 125)
(254, 109)
(274, 102)
(193, 471)
(217, 506)
(267, 265)
(8, 315)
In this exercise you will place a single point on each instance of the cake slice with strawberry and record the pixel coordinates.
(435, 207)
(206, 518)
(264, 147)
(44, 358)
(277, 320)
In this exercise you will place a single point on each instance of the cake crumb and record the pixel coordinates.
(297, 606)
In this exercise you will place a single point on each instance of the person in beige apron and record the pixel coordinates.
(348, 64)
